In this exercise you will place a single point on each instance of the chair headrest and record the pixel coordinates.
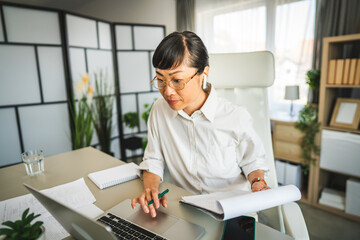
(239, 70)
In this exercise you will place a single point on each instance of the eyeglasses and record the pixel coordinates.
(174, 84)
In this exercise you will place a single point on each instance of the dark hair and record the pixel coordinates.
(176, 46)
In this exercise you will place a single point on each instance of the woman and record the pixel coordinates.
(207, 143)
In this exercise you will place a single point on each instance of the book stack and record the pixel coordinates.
(344, 71)
(333, 198)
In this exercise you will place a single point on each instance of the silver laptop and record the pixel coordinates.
(119, 222)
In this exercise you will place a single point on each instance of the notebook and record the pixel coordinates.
(116, 175)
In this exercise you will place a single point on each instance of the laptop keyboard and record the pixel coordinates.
(126, 230)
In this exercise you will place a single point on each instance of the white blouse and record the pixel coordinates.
(212, 150)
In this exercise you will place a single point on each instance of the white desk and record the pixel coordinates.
(70, 166)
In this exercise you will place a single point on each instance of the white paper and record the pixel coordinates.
(346, 113)
(236, 203)
(75, 195)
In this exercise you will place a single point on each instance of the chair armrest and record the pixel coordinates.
(295, 225)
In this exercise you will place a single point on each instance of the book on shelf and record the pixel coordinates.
(357, 73)
(231, 204)
(339, 72)
(346, 71)
(331, 75)
(333, 198)
(353, 62)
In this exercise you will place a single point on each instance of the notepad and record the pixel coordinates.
(116, 175)
(227, 205)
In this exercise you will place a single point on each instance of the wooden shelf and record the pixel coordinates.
(337, 212)
(341, 129)
(341, 86)
(333, 48)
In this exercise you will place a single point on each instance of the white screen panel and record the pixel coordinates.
(81, 31)
(99, 60)
(77, 64)
(1, 30)
(146, 98)
(134, 71)
(46, 127)
(9, 138)
(148, 37)
(123, 37)
(128, 104)
(115, 148)
(31, 26)
(18, 74)
(52, 73)
(104, 35)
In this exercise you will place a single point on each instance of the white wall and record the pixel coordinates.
(161, 12)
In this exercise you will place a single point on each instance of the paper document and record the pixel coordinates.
(75, 195)
(227, 205)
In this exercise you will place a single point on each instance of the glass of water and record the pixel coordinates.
(33, 161)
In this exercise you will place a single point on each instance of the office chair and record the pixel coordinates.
(243, 78)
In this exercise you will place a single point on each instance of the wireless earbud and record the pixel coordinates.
(204, 82)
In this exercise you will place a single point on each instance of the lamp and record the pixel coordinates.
(292, 93)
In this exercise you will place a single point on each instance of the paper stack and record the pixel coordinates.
(333, 198)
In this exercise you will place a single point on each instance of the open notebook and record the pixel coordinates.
(116, 175)
(227, 205)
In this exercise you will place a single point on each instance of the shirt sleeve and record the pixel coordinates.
(251, 152)
(153, 160)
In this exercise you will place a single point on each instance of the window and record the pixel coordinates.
(284, 27)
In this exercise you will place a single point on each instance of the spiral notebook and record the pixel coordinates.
(116, 175)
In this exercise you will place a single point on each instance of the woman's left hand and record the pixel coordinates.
(259, 186)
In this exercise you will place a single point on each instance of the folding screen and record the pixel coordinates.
(90, 51)
(44, 53)
(135, 45)
(33, 108)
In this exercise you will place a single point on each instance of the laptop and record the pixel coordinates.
(119, 222)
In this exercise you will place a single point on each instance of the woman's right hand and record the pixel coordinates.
(151, 192)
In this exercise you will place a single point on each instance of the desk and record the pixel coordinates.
(70, 166)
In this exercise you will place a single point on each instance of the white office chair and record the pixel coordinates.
(243, 78)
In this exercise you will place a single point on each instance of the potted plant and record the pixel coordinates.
(80, 113)
(131, 120)
(23, 229)
(102, 111)
(313, 80)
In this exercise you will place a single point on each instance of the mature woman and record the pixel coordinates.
(207, 143)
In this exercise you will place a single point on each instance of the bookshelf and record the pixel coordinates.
(336, 84)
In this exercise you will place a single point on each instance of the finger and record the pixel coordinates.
(151, 206)
(143, 203)
(164, 201)
(133, 202)
(155, 199)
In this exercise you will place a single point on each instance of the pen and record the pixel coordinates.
(159, 196)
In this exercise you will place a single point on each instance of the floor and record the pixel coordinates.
(324, 225)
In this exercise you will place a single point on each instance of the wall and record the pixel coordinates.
(162, 12)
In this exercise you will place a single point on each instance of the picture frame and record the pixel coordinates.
(346, 113)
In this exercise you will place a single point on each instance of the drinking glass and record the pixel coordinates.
(33, 161)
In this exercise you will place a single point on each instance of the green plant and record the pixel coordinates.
(102, 111)
(309, 125)
(82, 126)
(22, 229)
(131, 120)
(313, 79)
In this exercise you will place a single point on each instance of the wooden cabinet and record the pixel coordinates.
(287, 147)
(340, 47)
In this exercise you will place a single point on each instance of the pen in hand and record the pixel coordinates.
(159, 196)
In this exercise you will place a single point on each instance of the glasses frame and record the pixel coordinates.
(167, 83)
